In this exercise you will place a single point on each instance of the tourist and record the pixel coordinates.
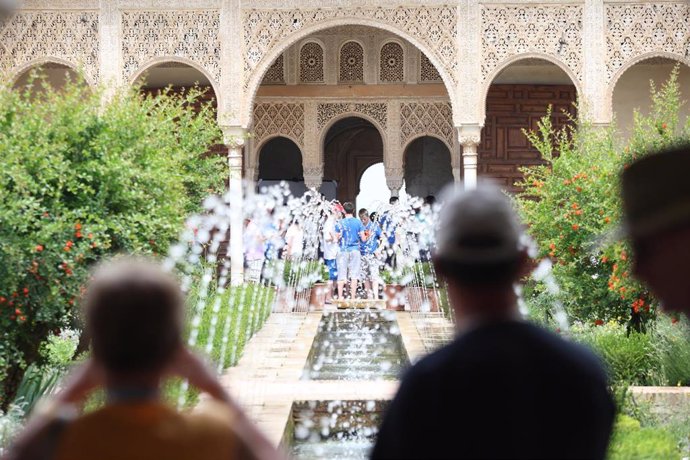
(389, 227)
(133, 313)
(350, 233)
(294, 241)
(254, 251)
(504, 388)
(656, 205)
(331, 248)
(369, 250)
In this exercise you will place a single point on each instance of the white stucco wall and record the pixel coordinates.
(632, 92)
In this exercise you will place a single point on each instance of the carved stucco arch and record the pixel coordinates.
(299, 35)
(353, 114)
(628, 65)
(256, 149)
(421, 135)
(520, 57)
(151, 63)
(16, 72)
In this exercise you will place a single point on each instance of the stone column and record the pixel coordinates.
(231, 107)
(110, 73)
(234, 138)
(469, 137)
(595, 102)
(313, 176)
(394, 179)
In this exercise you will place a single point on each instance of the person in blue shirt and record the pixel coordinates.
(369, 250)
(350, 233)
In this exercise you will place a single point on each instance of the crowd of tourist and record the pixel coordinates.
(502, 389)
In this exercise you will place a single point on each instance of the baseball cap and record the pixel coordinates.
(478, 226)
(656, 192)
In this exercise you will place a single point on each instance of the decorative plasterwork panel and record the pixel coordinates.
(311, 63)
(434, 26)
(424, 119)
(351, 67)
(193, 35)
(284, 119)
(641, 28)
(70, 36)
(427, 71)
(554, 30)
(392, 63)
(328, 111)
(275, 75)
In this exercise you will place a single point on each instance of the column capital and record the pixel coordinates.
(313, 176)
(395, 175)
(234, 136)
(469, 135)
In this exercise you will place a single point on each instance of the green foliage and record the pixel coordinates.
(573, 199)
(671, 339)
(227, 320)
(630, 357)
(659, 357)
(80, 180)
(632, 441)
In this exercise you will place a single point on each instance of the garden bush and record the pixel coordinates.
(630, 357)
(80, 180)
(573, 199)
(632, 441)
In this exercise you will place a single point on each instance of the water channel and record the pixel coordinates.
(353, 345)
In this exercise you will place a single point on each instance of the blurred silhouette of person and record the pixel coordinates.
(134, 318)
(370, 250)
(656, 210)
(504, 388)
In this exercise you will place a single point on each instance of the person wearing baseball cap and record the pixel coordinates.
(504, 388)
(656, 219)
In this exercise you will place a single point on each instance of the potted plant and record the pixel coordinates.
(393, 290)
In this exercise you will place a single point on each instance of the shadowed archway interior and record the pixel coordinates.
(280, 159)
(350, 147)
(427, 167)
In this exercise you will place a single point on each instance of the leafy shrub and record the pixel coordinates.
(573, 200)
(630, 357)
(671, 338)
(80, 180)
(631, 441)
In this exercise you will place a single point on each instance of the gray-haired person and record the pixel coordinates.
(504, 388)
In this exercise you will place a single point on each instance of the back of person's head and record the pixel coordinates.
(393, 200)
(349, 207)
(374, 216)
(430, 200)
(133, 313)
(478, 238)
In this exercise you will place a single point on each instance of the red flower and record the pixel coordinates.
(17, 311)
(663, 126)
(69, 244)
(576, 227)
(604, 259)
(552, 246)
(26, 292)
(598, 322)
(77, 226)
(674, 320)
(77, 234)
(39, 248)
(607, 220)
(22, 319)
(90, 236)
(578, 189)
(3, 300)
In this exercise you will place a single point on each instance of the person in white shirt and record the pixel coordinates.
(331, 248)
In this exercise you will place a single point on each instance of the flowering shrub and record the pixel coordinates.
(573, 200)
(80, 180)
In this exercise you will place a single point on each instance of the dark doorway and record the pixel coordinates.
(350, 147)
(280, 159)
(427, 167)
